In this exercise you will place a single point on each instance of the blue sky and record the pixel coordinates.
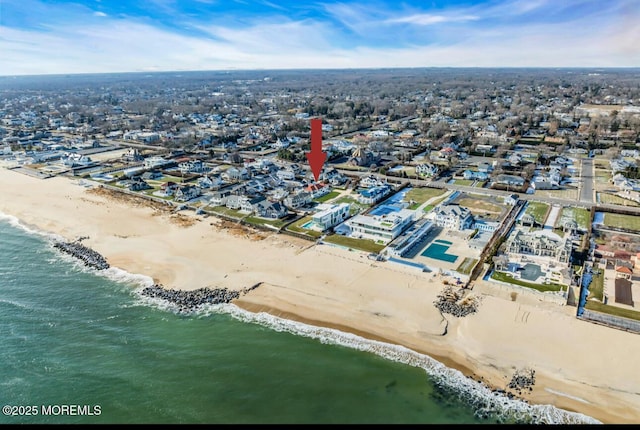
(96, 36)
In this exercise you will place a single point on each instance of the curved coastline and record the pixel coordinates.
(126, 244)
(489, 403)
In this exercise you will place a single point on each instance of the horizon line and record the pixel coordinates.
(147, 72)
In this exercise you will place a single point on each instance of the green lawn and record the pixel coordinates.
(596, 288)
(433, 204)
(612, 310)
(501, 276)
(538, 210)
(616, 200)
(349, 242)
(297, 227)
(421, 194)
(328, 196)
(580, 215)
(226, 211)
(466, 182)
(630, 222)
(355, 206)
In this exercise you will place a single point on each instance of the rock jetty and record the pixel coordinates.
(523, 379)
(88, 256)
(454, 302)
(188, 301)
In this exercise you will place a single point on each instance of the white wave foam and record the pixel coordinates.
(560, 393)
(486, 402)
(15, 222)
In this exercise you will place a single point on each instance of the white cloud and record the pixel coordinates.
(98, 13)
(118, 45)
(429, 19)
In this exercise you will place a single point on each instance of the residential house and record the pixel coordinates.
(138, 184)
(235, 174)
(331, 215)
(511, 199)
(371, 181)
(152, 175)
(191, 166)
(169, 188)
(452, 217)
(298, 200)
(374, 194)
(540, 243)
(427, 170)
(268, 209)
(381, 228)
(185, 193)
(317, 190)
(210, 182)
(475, 176)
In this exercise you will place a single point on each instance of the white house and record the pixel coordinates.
(452, 217)
(331, 216)
(381, 228)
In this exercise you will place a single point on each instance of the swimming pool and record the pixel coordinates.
(439, 252)
(384, 210)
(443, 242)
(308, 225)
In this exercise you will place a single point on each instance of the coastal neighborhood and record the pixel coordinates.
(543, 200)
(481, 226)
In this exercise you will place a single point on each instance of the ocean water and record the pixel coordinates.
(80, 346)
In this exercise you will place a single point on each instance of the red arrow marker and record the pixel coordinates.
(316, 157)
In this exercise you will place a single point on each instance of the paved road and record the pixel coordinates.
(587, 180)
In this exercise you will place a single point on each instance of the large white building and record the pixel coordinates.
(382, 228)
(332, 215)
(452, 217)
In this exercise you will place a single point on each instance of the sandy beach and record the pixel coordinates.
(579, 366)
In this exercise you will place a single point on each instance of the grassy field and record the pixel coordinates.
(349, 242)
(538, 210)
(479, 204)
(421, 195)
(630, 222)
(226, 211)
(616, 200)
(433, 204)
(596, 288)
(466, 182)
(567, 193)
(326, 197)
(612, 310)
(580, 215)
(501, 276)
(355, 206)
(467, 265)
(297, 227)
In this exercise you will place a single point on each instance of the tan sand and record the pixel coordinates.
(579, 366)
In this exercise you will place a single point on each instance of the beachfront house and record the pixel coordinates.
(185, 193)
(381, 228)
(452, 217)
(169, 188)
(268, 209)
(298, 200)
(330, 215)
(138, 184)
(540, 243)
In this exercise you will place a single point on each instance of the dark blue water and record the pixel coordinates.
(73, 337)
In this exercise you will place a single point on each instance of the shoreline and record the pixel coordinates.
(355, 296)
